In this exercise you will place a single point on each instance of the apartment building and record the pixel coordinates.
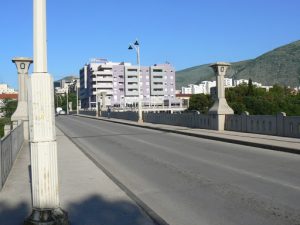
(4, 89)
(120, 83)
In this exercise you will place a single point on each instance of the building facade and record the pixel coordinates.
(119, 81)
(208, 87)
(4, 89)
(66, 84)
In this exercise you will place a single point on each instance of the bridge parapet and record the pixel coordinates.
(278, 125)
(10, 146)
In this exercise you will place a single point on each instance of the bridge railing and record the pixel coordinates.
(10, 146)
(278, 125)
(127, 115)
(192, 120)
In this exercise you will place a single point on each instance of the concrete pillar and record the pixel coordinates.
(280, 117)
(98, 109)
(70, 105)
(103, 107)
(7, 129)
(244, 121)
(45, 196)
(220, 107)
(21, 113)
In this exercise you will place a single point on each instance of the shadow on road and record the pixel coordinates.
(94, 210)
(14, 215)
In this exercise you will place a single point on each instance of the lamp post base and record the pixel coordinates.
(140, 121)
(47, 217)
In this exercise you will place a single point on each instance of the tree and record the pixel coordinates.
(250, 91)
(200, 102)
(61, 101)
(10, 107)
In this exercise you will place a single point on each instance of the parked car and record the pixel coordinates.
(62, 112)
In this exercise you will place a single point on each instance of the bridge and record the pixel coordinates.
(121, 172)
(126, 168)
(163, 168)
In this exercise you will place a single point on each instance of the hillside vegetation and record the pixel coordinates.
(279, 66)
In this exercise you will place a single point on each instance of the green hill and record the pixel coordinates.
(279, 66)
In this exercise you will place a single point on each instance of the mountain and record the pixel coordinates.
(68, 78)
(279, 66)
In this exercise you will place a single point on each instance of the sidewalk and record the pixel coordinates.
(86, 193)
(284, 144)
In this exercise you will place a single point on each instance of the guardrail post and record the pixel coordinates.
(244, 121)
(7, 129)
(280, 123)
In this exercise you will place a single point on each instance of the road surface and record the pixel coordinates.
(194, 181)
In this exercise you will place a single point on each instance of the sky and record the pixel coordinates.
(185, 33)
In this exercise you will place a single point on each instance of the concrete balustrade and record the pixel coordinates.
(191, 120)
(10, 146)
(279, 125)
(128, 115)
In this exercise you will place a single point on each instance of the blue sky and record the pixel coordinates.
(184, 32)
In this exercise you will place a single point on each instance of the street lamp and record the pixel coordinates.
(43, 147)
(136, 47)
(77, 98)
(67, 92)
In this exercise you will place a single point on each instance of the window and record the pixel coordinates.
(132, 70)
(157, 70)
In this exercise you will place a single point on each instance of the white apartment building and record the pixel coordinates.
(205, 86)
(4, 89)
(120, 83)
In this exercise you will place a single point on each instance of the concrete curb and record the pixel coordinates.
(148, 211)
(222, 139)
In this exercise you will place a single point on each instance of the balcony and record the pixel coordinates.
(103, 85)
(103, 79)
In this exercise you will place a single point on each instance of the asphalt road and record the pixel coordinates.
(194, 181)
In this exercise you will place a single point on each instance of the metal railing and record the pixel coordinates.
(10, 146)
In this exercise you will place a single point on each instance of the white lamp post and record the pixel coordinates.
(43, 147)
(67, 92)
(136, 46)
(77, 99)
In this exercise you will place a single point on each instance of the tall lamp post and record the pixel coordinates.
(67, 92)
(136, 47)
(45, 195)
(77, 98)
